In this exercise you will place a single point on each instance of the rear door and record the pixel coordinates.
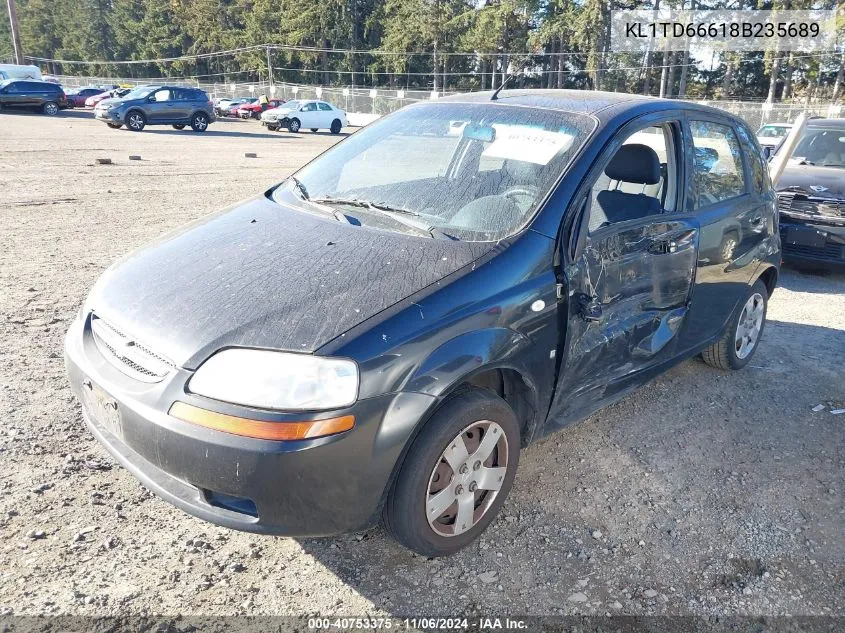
(327, 115)
(627, 273)
(733, 222)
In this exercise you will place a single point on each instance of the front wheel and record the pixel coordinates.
(294, 125)
(336, 126)
(199, 122)
(456, 475)
(50, 108)
(739, 342)
(136, 121)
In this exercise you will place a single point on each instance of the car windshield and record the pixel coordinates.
(821, 146)
(773, 131)
(474, 172)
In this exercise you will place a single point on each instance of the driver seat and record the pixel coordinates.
(636, 164)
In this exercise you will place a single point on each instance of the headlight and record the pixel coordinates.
(277, 380)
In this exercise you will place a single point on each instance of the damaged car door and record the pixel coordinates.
(630, 270)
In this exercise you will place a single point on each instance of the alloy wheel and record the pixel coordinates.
(136, 121)
(749, 325)
(51, 109)
(467, 478)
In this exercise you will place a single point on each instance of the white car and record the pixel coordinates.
(772, 134)
(311, 114)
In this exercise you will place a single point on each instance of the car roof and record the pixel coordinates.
(837, 124)
(602, 105)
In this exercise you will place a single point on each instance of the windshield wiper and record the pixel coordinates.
(394, 213)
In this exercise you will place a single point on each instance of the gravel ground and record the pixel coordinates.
(705, 493)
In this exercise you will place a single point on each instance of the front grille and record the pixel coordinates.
(129, 356)
(831, 252)
(801, 204)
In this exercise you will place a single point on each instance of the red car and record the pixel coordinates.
(76, 98)
(108, 94)
(232, 109)
(254, 110)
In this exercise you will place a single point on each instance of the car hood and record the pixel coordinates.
(265, 275)
(279, 110)
(813, 180)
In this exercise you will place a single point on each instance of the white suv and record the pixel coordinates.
(307, 113)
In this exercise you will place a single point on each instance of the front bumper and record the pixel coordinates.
(102, 114)
(317, 487)
(829, 252)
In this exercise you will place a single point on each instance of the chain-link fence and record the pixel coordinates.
(378, 101)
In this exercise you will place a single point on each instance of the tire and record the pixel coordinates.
(135, 120)
(115, 126)
(199, 122)
(294, 125)
(468, 416)
(731, 351)
(178, 126)
(51, 108)
(336, 126)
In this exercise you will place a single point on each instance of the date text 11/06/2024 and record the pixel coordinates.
(420, 623)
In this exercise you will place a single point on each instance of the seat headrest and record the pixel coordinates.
(634, 163)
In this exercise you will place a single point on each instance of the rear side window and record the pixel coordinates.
(756, 167)
(324, 106)
(717, 171)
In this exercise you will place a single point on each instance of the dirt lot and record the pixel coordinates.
(704, 493)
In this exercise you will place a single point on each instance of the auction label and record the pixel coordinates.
(670, 30)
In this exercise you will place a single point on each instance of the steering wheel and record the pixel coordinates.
(514, 193)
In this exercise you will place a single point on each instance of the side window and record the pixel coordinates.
(717, 171)
(757, 167)
(638, 180)
(162, 95)
(309, 107)
(324, 106)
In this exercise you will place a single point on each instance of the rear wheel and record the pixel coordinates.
(336, 126)
(739, 342)
(51, 108)
(456, 475)
(135, 120)
(199, 122)
(294, 125)
(178, 126)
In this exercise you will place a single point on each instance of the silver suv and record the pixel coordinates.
(158, 105)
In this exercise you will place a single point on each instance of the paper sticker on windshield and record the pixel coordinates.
(527, 144)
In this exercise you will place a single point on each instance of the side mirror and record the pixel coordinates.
(768, 151)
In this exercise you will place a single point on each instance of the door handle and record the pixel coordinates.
(589, 308)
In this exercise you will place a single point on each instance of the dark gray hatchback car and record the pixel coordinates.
(381, 334)
(158, 105)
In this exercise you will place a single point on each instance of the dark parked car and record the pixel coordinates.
(383, 332)
(811, 197)
(42, 96)
(158, 105)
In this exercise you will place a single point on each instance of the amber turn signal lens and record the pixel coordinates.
(278, 431)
